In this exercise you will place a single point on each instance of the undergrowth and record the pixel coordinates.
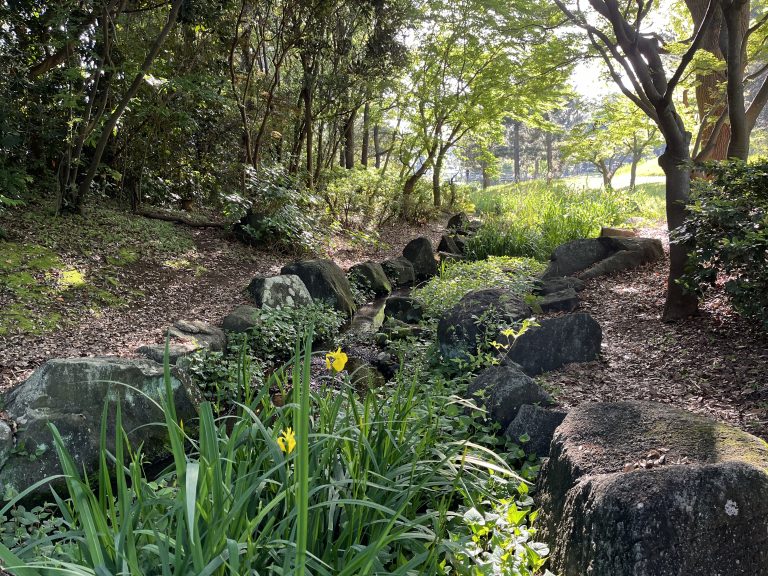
(331, 483)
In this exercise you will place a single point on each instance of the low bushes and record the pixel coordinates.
(728, 222)
(456, 279)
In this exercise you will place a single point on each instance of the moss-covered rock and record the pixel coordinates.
(647, 489)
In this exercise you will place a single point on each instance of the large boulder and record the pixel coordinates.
(503, 390)
(538, 423)
(465, 326)
(564, 301)
(185, 337)
(71, 394)
(241, 319)
(449, 245)
(458, 221)
(578, 255)
(326, 282)
(650, 490)
(419, 252)
(557, 342)
(279, 291)
(399, 271)
(558, 284)
(408, 310)
(372, 277)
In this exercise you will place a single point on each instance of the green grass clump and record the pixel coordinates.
(385, 484)
(456, 279)
(533, 218)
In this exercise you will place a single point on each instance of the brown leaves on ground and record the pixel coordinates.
(714, 363)
(208, 290)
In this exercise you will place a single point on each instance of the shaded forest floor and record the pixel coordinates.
(714, 363)
(133, 293)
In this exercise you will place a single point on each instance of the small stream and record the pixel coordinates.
(369, 317)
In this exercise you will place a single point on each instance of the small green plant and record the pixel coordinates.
(728, 227)
(276, 329)
(456, 279)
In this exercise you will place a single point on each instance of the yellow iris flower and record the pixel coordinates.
(287, 440)
(336, 360)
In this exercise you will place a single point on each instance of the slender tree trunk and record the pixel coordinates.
(548, 146)
(436, 169)
(633, 169)
(376, 146)
(366, 134)
(349, 141)
(111, 122)
(516, 150)
(308, 120)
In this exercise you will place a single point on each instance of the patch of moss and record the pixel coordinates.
(124, 257)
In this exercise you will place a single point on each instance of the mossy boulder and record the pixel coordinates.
(71, 395)
(326, 282)
(647, 489)
(371, 276)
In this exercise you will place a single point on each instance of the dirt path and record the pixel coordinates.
(714, 364)
(171, 294)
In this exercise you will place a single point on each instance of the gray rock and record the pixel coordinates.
(399, 271)
(71, 394)
(372, 276)
(503, 390)
(539, 424)
(618, 262)
(185, 337)
(557, 342)
(459, 331)
(579, 255)
(559, 284)
(448, 257)
(419, 252)
(458, 221)
(607, 515)
(6, 442)
(279, 291)
(241, 319)
(564, 301)
(156, 352)
(448, 245)
(326, 282)
(407, 310)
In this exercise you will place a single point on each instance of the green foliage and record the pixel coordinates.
(382, 484)
(272, 339)
(281, 213)
(362, 198)
(458, 278)
(531, 220)
(728, 222)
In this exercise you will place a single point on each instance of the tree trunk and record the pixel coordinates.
(679, 304)
(738, 147)
(516, 150)
(376, 146)
(436, 196)
(111, 123)
(633, 169)
(366, 134)
(548, 146)
(349, 141)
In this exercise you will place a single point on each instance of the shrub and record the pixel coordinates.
(362, 198)
(728, 222)
(458, 278)
(282, 212)
(276, 330)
